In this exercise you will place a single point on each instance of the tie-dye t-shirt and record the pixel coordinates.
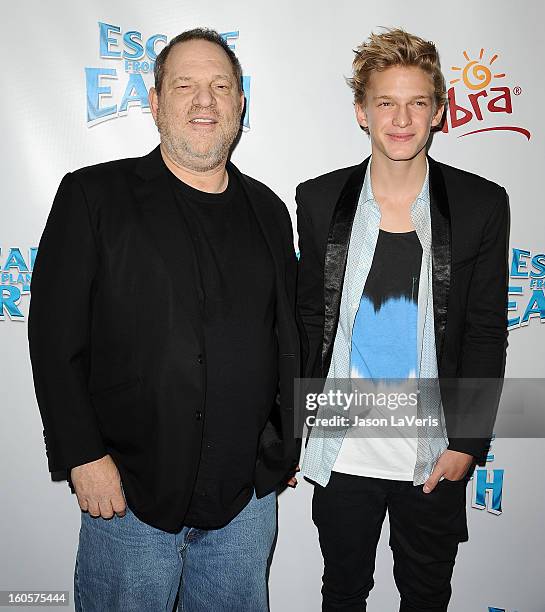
(384, 345)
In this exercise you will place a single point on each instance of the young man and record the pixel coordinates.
(158, 382)
(403, 274)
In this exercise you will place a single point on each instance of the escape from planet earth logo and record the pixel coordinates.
(120, 85)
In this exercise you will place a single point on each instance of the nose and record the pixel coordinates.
(402, 117)
(203, 96)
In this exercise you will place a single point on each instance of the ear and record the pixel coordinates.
(361, 115)
(153, 100)
(438, 116)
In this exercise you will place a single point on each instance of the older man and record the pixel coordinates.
(165, 384)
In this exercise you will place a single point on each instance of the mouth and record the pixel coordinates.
(203, 121)
(400, 137)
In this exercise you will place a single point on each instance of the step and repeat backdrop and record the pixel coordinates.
(76, 78)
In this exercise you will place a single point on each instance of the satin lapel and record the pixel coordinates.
(168, 231)
(441, 253)
(336, 255)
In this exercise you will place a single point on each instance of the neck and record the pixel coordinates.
(397, 179)
(210, 181)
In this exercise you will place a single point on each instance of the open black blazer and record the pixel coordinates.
(118, 362)
(469, 222)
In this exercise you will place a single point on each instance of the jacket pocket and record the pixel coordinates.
(117, 388)
(124, 418)
(464, 263)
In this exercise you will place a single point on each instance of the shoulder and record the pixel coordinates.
(105, 186)
(266, 196)
(464, 182)
(272, 209)
(95, 183)
(260, 187)
(326, 184)
(472, 198)
(106, 170)
(475, 202)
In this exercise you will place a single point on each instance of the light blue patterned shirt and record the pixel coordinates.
(324, 444)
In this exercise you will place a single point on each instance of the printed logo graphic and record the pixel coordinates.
(123, 82)
(15, 277)
(488, 488)
(526, 288)
(478, 95)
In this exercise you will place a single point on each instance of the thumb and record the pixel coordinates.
(434, 478)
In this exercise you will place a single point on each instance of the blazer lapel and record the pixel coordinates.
(336, 255)
(168, 231)
(264, 214)
(268, 223)
(440, 252)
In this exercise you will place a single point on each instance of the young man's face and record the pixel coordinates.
(399, 111)
(198, 111)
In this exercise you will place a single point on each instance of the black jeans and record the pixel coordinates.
(425, 530)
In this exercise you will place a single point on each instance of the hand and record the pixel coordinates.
(452, 465)
(292, 482)
(98, 488)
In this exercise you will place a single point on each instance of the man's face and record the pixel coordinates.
(199, 109)
(399, 111)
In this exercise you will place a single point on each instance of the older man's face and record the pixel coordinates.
(199, 109)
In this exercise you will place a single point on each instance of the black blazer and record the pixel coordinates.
(118, 363)
(469, 221)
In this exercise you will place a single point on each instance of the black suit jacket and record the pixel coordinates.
(116, 339)
(469, 222)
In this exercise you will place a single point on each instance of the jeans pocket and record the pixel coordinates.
(316, 505)
(462, 480)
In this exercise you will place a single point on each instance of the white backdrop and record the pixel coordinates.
(301, 125)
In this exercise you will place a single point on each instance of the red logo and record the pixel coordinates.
(479, 102)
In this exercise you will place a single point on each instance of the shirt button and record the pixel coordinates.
(200, 358)
(198, 415)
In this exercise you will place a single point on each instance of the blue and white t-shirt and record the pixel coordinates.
(384, 346)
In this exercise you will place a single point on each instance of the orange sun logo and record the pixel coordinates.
(475, 74)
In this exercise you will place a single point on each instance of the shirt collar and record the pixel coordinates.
(367, 189)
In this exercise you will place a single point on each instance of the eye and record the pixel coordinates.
(421, 103)
(385, 104)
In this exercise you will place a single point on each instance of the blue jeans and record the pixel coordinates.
(125, 565)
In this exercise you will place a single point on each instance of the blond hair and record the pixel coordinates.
(395, 47)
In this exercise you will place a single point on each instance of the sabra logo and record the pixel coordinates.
(483, 98)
